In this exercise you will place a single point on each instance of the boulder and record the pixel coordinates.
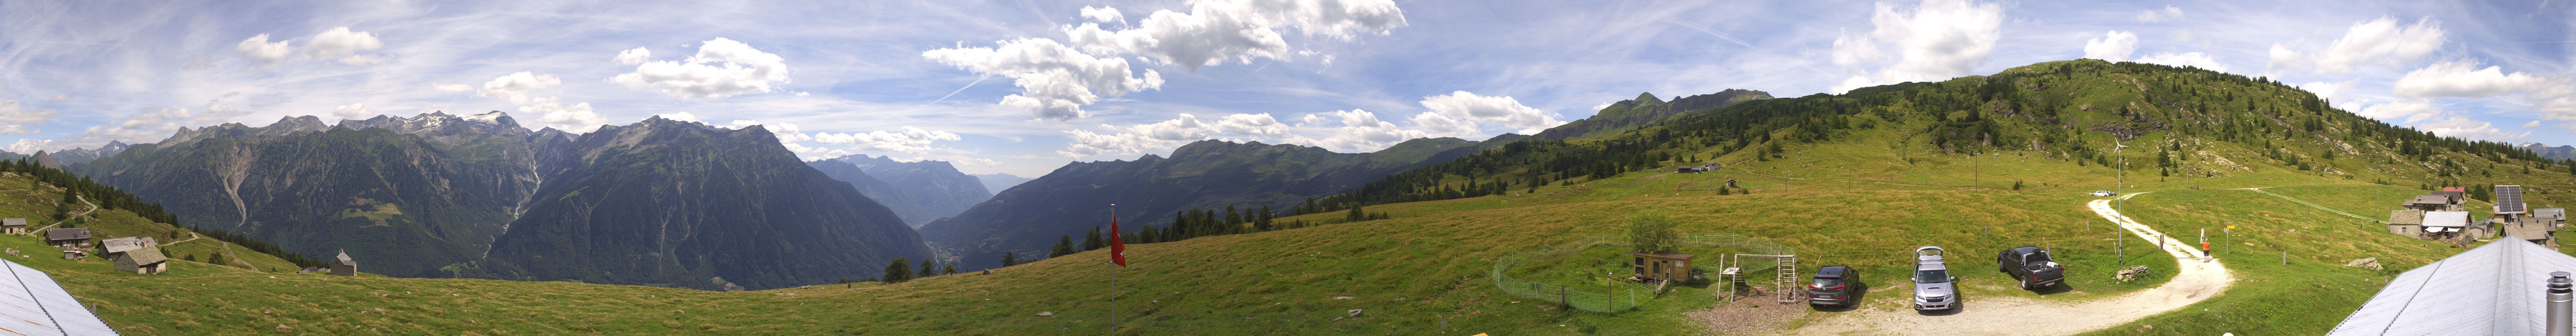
(2370, 263)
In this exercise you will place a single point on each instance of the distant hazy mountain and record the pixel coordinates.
(672, 203)
(927, 189)
(6, 155)
(1646, 109)
(1027, 219)
(875, 189)
(659, 203)
(997, 182)
(2554, 153)
(81, 155)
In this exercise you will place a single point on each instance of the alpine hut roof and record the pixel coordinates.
(2494, 289)
(67, 234)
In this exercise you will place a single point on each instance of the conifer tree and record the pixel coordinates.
(1091, 240)
(950, 269)
(1009, 259)
(1063, 246)
(897, 271)
(927, 270)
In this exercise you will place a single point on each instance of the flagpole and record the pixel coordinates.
(1113, 276)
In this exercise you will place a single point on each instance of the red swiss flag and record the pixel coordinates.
(1117, 248)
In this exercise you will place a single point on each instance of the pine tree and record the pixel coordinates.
(1091, 240)
(1063, 246)
(927, 270)
(950, 269)
(897, 271)
(1355, 214)
(1009, 259)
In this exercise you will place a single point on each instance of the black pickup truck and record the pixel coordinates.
(2031, 266)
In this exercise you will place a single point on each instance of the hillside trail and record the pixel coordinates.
(193, 236)
(93, 207)
(2197, 280)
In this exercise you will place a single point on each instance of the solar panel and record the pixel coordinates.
(33, 304)
(2509, 199)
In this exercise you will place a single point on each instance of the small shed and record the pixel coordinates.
(68, 238)
(14, 226)
(1660, 266)
(2406, 222)
(342, 265)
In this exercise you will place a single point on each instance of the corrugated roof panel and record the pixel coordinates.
(2491, 290)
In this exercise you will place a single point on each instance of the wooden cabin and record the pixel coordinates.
(72, 238)
(13, 226)
(1660, 266)
(342, 265)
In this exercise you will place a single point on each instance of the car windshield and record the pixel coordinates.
(1930, 276)
(1828, 282)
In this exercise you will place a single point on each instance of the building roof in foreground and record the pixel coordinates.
(2494, 289)
(32, 304)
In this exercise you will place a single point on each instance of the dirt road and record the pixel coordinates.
(2019, 316)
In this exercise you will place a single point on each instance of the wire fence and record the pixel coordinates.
(1607, 299)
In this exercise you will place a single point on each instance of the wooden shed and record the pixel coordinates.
(13, 226)
(342, 265)
(1660, 266)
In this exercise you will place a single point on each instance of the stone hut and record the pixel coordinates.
(13, 226)
(140, 255)
(342, 265)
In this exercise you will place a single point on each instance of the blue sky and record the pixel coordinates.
(1024, 87)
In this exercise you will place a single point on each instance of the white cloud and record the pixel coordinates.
(2192, 59)
(2465, 128)
(2378, 41)
(259, 48)
(577, 118)
(1214, 31)
(1458, 108)
(2169, 13)
(1172, 133)
(453, 88)
(912, 140)
(2329, 91)
(1939, 39)
(2114, 46)
(2533, 123)
(2412, 110)
(59, 98)
(16, 118)
(682, 116)
(1361, 131)
(2284, 58)
(2462, 79)
(514, 87)
(634, 56)
(722, 68)
(338, 44)
(29, 146)
(1103, 14)
(1055, 80)
(353, 111)
(341, 45)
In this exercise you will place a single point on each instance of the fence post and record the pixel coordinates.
(1560, 297)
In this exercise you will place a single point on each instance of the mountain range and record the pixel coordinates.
(2562, 152)
(997, 182)
(918, 191)
(1026, 219)
(659, 202)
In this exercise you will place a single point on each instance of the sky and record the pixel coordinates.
(1024, 87)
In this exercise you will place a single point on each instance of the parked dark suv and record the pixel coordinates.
(1833, 286)
(2031, 266)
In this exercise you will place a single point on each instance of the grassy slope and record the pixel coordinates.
(1434, 255)
(37, 206)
